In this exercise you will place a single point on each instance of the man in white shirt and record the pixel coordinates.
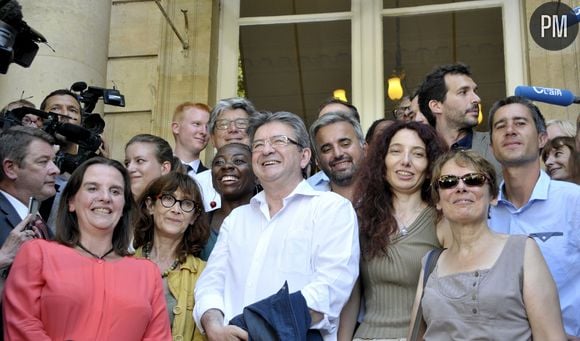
(288, 232)
(190, 131)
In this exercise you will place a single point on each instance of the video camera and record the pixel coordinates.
(88, 96)
(87, 141)
(18, 41)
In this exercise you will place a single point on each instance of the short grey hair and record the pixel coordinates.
(288, 118)
(331, 118)
(230, 104)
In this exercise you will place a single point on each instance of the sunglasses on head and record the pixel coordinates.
(471, 180)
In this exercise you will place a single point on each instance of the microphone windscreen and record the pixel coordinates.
(561, 97)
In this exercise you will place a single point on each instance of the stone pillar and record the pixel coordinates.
(78, 31)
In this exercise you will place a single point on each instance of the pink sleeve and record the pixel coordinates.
(158, 328)
(21, 302)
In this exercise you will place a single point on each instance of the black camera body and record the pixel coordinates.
(18, 41)
(88, 141)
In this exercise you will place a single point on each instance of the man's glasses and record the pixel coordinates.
(240, 123)
(168, 200)
(471, 180)
(30, 121)
(274, 141)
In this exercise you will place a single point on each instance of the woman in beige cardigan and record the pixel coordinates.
(172, 231)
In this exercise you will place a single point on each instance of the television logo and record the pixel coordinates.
(554, 25)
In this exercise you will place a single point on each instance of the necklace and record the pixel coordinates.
(147, 253)
(92, 254)
(403, 228)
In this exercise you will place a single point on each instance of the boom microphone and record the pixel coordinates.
(555, 96)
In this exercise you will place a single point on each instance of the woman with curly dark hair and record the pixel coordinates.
(397, 223)
(171, 231)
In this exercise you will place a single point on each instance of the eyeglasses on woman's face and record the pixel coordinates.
(470, 180)
(168, 200)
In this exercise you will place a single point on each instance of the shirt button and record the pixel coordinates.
(474, 284)
(477, 274)
(100, 261)
(178, 337)
(474, 311)
(177, 310)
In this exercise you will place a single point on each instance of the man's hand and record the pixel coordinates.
(24, 231)
(230, 333)
(213, 324)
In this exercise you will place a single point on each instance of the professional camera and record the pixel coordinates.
(88, 96)
(88, 142)
(18, 41)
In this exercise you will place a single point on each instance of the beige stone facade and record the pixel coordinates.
(130, 44)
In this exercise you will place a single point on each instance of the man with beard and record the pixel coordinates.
(339, 145)
(320, 181)
(448, 99)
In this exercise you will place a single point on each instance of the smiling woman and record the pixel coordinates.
(560, 157)
(235, 181)
(397, 227)
(171, 231)
(147, 157)
(48, 280)
(483, 277)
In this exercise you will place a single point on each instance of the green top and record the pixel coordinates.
(390, 282)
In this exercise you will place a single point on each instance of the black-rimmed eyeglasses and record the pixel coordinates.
(168, 200)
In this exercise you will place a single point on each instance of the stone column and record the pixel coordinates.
(78, 31)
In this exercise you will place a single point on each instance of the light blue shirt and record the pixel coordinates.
(319, 182)
(552, 218)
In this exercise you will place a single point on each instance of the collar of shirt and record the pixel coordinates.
(20, 208)
(193, 164)
(319, 181)
(303, 189)
(465, 143)
(540, 191)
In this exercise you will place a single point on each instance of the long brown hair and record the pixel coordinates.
(196, 234)
(374, 197)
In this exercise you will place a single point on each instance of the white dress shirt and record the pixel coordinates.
(312, 243)
(211, 198)
(19, 207)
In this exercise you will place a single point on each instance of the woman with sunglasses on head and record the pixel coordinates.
(85, 285)
(171, 232)
(397, 223)
(485, 285)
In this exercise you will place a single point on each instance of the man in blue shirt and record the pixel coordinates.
(531, 203)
